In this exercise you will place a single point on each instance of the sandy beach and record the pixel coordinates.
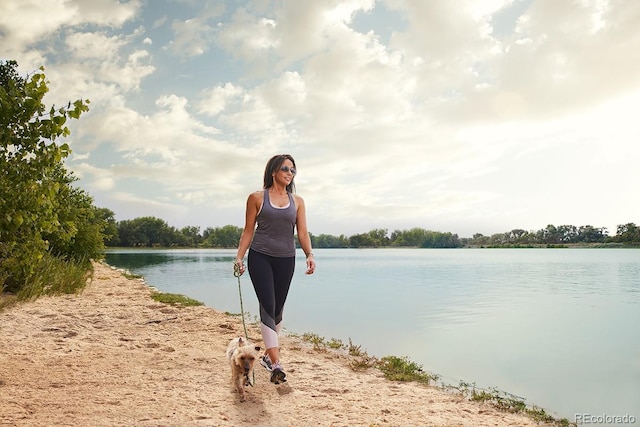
(112, 356)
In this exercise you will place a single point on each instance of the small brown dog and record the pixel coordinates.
(242, 356)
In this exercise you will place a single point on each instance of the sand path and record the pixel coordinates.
(114, 357)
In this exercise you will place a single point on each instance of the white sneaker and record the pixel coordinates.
(266, 362)
(278, 375)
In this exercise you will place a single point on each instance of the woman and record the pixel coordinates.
(271, 259)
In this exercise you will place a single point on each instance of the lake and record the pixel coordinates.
(559, 327)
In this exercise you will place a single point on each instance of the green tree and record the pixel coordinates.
(225, 237)
(361, 241)
(379, 237)
(628, 233)
(590, 234)
(329, 241)
(111, 227)
(32, 182)
(480, 239)
(192, 235)
(80, 234)
(414, 237)
(148, 231)
(436, 239)
(518, 235)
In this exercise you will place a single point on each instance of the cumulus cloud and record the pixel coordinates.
(27, 22)
(192, 37)
(464, 113)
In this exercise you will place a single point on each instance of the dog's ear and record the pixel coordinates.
(258, 348)
(240, 342)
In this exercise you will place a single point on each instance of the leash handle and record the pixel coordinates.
(236, 270)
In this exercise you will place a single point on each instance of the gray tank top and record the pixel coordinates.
(274, 234)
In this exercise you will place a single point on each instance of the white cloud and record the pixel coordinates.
(218, 98)
(94, 45)
(26, 22)
(456, 120)
(247, 37)
(193, 37)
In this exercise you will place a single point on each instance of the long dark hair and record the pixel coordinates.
(273, 166)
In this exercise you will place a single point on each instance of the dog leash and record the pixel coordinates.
(236, 274)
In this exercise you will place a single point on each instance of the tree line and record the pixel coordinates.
(154, 232)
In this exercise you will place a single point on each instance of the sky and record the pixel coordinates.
(464, 117)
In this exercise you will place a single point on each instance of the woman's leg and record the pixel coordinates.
(262, 277)
(283, 269)
(271, 277)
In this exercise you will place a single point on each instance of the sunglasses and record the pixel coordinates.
(286, 169)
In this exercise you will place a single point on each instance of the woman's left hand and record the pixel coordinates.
(311, 265)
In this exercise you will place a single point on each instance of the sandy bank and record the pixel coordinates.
(112, 356)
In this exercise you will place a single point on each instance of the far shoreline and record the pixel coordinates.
(505, 246)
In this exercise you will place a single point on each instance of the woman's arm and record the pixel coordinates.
(251, 213)
(303, 234)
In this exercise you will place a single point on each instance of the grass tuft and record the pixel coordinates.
(318, 342)
(360, 360)
(129, 275)
(175, 299)
(55, 276)
(508, 402)
(402, 369)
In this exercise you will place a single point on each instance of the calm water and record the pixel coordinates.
(557, 326)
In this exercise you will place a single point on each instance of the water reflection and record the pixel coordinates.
(135, 259)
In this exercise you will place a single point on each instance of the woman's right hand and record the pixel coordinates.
(238, 268)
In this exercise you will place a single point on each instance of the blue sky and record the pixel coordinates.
(466, 116)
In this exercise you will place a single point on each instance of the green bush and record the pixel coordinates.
(55, 276)
(49, 230)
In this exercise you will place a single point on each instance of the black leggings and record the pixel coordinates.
(271, 277)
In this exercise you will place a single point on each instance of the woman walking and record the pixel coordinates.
(276, 211)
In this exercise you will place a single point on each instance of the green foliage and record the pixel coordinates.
(222, 237)
(110, 231)
(402, 369)
(315, 339)
(548, 236)
(41, 215)
(360, 359)
(191, 235)
(628, 234)
(329, 241)
(508, 402)
(148, 231)
(175, 299)
(81, 231)
(54, 276)
(335, 344)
